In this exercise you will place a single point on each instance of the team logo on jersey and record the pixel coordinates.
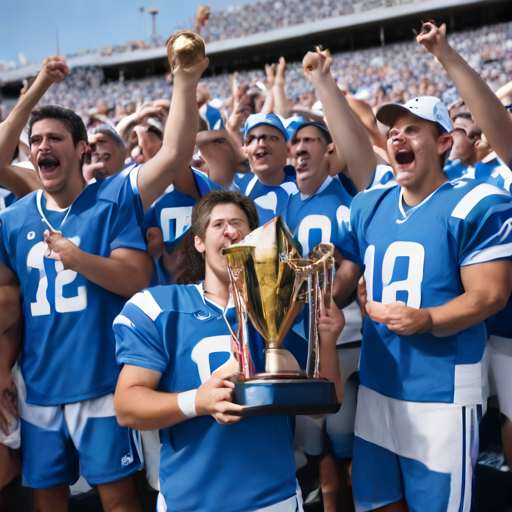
(203, 315)
(31, 235)
(268, 202)
(126, 460)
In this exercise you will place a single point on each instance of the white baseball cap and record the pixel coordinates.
(426, 107)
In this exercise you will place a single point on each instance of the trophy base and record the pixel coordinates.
(291, 397)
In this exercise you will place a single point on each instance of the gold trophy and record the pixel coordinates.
(271, 282)
(185, 48)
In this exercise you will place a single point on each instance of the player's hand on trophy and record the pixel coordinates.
(433, 38)
(316, 64)
(400, 318)
(60, 248)
(54, 68)
(330, 324)
(215, 398)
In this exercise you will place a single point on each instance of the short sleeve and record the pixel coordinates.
(484, 232)
(139, 341)
(4, 254)
(204, 184)
(347, 242)
(125, 227)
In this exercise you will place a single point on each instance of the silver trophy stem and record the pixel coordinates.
(313, 340)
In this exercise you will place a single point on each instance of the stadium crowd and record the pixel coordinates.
(118, 344)
(376, 75)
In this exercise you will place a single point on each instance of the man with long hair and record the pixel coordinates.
(176, 346)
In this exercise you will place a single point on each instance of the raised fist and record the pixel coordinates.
(55, 68)
(433, 38)
(316, 63)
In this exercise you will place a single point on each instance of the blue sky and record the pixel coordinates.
(30, 26)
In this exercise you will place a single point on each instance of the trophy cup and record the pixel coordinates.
(185, 48)
(271, 282)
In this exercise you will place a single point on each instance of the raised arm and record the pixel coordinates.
(19, 180)
(54, 70)
(281, 105)
(487, 110)
(171, 163)
(347, 131)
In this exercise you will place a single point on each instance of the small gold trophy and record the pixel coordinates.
(185, 48)
(271, 281)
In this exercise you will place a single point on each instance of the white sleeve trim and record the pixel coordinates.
(489, 254)
(123, 320)
(147, 304)
(472, 198)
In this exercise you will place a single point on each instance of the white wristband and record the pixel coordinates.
(186, 402)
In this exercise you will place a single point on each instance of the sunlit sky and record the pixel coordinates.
(30, 26)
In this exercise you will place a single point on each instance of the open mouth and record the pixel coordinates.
(302, 161)
(48, 164)
(404, 157)
(261, 154)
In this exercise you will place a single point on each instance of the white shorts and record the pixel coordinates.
(500, 372)
(340, 426)
(421, 450)
(293, 504)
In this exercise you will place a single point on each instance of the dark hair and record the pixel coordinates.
(324, 133)
(73, 122)
(105, 129)
(194, 261)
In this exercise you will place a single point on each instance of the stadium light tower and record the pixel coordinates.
(143, 11)
(154, 11)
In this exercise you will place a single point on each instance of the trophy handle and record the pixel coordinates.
(239, 290)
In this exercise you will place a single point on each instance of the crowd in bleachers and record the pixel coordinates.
(375, 75)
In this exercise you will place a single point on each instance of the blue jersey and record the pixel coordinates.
(172, 213)
(174, 331)
(270, 201)
(491, 170)
(319, 218)
(383, 177)
(213, 117)
(6, 198)
(415, 257)
(68, 350)
(454, 169)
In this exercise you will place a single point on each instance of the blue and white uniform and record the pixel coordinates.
(312, 220)
(270, 201)
(68, 349)
(172, 213)
(491, 169)
(413, 387)
(176, 332)
(212, 116)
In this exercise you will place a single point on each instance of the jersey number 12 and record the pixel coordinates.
(41, 306)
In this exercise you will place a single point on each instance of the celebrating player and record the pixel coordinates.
(77, 252)
(436, 265)
(176, 345)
